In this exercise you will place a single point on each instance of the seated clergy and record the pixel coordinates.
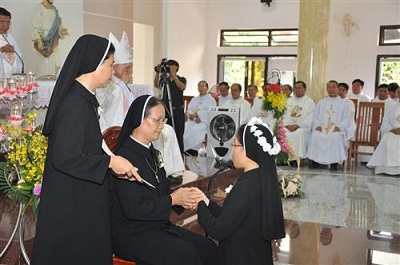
(382, 96)
(343, 91)
(239, 102)
(140, 225)
(116, 98)
(386, 158)
(196, 124)
(257, 102)
(223, 93)
(332, 128)
(297, 120)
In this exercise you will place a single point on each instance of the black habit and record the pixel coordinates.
(73, 222)
(141, 230)
(237, 225)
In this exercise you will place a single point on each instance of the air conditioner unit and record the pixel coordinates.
(222, 127)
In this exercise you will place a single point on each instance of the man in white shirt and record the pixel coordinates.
(343, 90)
(197, 119)
(332, 128)
(287, 89)
(393, 87)
(357, 89)
(257, 102)
(383, 96)
(10, 61)
(297, 120)
(239, 102)
(224, 95)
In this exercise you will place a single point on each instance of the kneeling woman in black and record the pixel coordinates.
(141, 229)
(252, 213)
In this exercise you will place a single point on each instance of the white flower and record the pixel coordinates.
(228, 189)
(262, 141)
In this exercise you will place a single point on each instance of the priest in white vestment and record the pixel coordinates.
(116, 98)
(257, 103)
(224, 95)
(10, 61)
(298, 118)
(386, 158)
(343, 91)
(382, 96)
(197, 118)
(239, 102)
(332, 128)
(357, 89)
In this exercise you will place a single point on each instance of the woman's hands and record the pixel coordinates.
(124, 169)
(187, 197)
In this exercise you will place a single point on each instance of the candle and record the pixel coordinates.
(11, 84)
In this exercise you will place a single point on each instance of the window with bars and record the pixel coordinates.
(259, 38)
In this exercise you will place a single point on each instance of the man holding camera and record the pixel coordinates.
(172, 87)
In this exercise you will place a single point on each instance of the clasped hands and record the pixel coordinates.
(194, 117)
(188, 197)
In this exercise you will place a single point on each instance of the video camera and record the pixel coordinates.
(163, 67)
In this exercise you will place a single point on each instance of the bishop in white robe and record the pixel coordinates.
(115, 100)
(10, 63)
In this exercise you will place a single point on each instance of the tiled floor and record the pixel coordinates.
(347, 217)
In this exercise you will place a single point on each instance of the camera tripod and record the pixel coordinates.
(166, 96)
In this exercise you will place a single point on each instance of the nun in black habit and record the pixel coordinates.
(252, 213)
(74, 218)
(141, 229)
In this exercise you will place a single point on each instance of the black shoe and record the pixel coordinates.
(192, 152)
(334, 167)
(313, 164)
(175, 179)
(293, 163)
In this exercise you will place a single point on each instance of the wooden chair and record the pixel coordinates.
(118, 261)
(355, 101)
(369, 120)
(110, 136)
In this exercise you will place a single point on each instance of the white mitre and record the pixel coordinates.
(123, 51)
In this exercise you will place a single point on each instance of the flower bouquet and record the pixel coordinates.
(275, 102)
(22, 172)
(290, 185)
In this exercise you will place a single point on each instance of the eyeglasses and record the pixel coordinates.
(8, 23)
(236, 145)
(159, 120)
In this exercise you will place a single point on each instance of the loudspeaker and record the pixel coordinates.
(222, 126)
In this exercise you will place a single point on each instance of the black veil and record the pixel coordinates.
(86, 55)
(272, 213)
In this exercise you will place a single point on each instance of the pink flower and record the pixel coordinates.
(37, 189)
(291, 188)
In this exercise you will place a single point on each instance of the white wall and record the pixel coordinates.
(355, 56)
(187, 32)
(21, 12)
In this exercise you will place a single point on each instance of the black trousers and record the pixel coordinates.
(179, 125)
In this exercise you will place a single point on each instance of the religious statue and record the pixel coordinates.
(47, 29)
